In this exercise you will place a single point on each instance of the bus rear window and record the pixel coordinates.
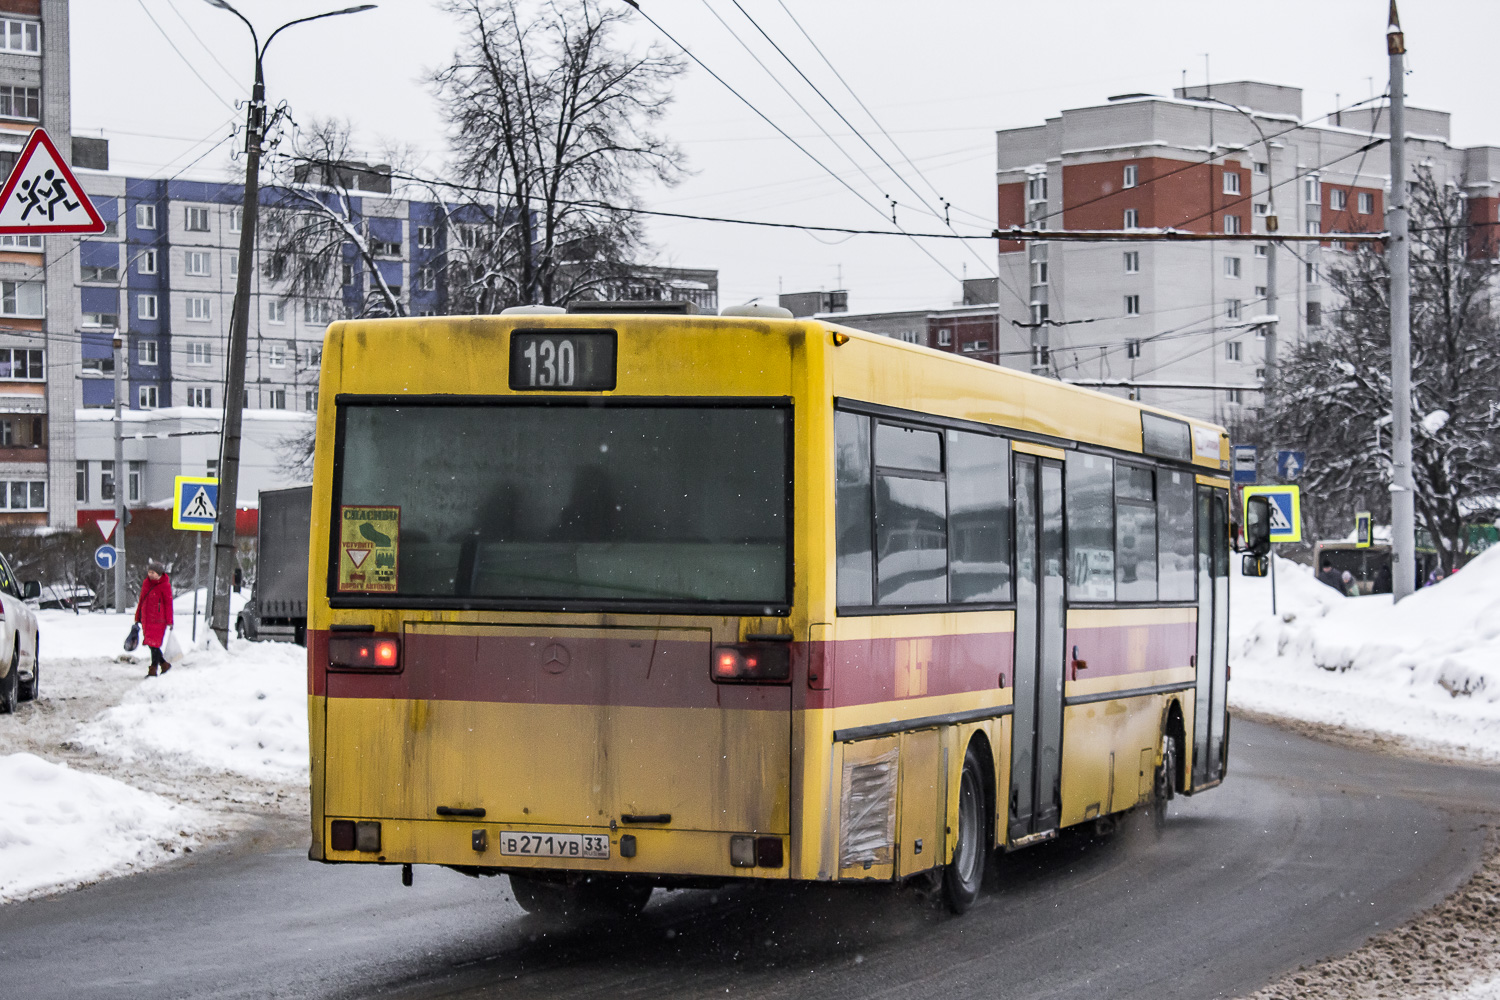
(534, 504)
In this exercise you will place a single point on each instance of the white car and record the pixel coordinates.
(19, 660)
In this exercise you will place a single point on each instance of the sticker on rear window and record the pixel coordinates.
(369, 547)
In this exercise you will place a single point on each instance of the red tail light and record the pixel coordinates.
(364, 652)
(752, 662)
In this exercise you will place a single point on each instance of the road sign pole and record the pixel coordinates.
(121, 479)
(197, 578)
(1273, 581)
(1403, 498)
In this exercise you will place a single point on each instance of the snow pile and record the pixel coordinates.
(243, 711)
(1426, 671)
(60, 828)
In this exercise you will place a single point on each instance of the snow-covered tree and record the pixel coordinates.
(1333, 397)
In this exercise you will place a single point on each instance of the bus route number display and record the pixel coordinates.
(562, 360)
(369, 546)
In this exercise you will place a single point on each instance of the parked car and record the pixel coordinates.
(20, 661)
(60, 597)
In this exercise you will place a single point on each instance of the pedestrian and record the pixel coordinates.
(1435, 577)
(1382, 579)
(1330, 576)
(1347, 585)
(154, 613)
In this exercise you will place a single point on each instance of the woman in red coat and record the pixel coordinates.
(154, 612)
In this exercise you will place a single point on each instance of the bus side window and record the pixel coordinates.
(978, 518)
(1174, 531)
(852, 517)
(1135, 533)
(1091, 528)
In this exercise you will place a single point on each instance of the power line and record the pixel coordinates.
(185, 61)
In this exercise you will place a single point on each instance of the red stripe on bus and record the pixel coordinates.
(867, 671)
(1128, 649)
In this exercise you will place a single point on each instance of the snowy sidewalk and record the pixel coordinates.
(157, 766)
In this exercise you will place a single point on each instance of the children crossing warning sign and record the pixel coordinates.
(369, 546)
(42, 195)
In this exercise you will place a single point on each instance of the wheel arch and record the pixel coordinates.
(979, 740)
(1174, 726)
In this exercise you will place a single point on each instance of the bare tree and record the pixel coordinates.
(1334, 394)
(551, 124)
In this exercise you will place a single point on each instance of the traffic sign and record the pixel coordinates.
(1289, 464)
(1363, 529)
(195, 503)
(105, 556)
(1286, 510)
(43, 196)
(106, 526)
(1244, 464)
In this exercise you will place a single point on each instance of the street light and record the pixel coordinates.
(239, 332)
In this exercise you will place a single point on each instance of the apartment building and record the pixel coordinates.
(1184, 321)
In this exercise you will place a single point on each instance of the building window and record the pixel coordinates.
(82, 486)
(101, 321)
(1041, 356)
(1260, 374)
(1315, 314)
(1231, 182)
(136, 471)
(146, 262)
(312, 400)
(197, 263)
(1260, 251)
(1312, 273)
(13, 241)
(195, 220)
(1366, 203)
(233, 261)
(145, 397)
(95, 272)
(22, 36)
(1338, 200)
(320, 313)
(1312, 191)
(945, 338)
(202, 397)
(1132, 218)
(1132, 348)
(1260, 208)
(427, 279)
(106, 480)
(1039, 273)
(1232, 224)
(1314, 228)
(1232, 350)
(1132, 305)
(145, 216)
(1036, 190)
(1132, 262)
(1260, 168)
(276, 355)
(348, 275)
(200, 352)
(23, 298)
(424, 237)
(975, 346)
(1232, 308)
(145, 351)
(1231, 267)
(909, 336)
(22, 365)
(1132, 175)
(1040, 312)
(1234, 396)
(236, 219)
(145, 306)
(21, 102)
(276, 311)
(24, 495)
(278, 399)
(198, 309)
(381, 248)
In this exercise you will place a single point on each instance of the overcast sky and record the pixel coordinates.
(940, 76)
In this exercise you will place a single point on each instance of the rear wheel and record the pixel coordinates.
(962, 876)
(30, 689)
(588, 898)
(1164, 788)
(10, 684)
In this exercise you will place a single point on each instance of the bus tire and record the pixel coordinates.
(1163, 788)
(589, 898)
(963, 875)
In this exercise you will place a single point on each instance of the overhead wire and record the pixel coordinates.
(185, 61)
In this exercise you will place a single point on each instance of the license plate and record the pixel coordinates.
(554, 845)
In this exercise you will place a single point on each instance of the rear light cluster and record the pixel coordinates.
(751, 662)
(364, 652)
(755, 852)
(348, 835)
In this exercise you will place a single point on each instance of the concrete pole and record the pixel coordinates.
(122, 479)
(1403, 500)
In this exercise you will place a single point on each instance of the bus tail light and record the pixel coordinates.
(365, 652)
(752, 662)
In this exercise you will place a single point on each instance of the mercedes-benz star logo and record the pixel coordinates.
(555, 659)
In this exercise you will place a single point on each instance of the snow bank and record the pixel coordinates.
(242, 711)
(1426, 671)
(61, 828)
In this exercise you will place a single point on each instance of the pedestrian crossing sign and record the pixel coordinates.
(1286, 510)
(195, 503)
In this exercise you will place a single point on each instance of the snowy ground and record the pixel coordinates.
(1424, 673)
(159, 765)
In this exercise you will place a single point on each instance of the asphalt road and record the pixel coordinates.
(1305, 850)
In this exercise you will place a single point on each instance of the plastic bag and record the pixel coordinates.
(134, 638)
(171, 649)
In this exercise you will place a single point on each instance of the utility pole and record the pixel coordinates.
(121, 478)
(1403, 486)
(223, 556)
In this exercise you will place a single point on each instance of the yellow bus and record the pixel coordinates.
(605, 602)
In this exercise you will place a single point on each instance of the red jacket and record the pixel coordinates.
(154, 609)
